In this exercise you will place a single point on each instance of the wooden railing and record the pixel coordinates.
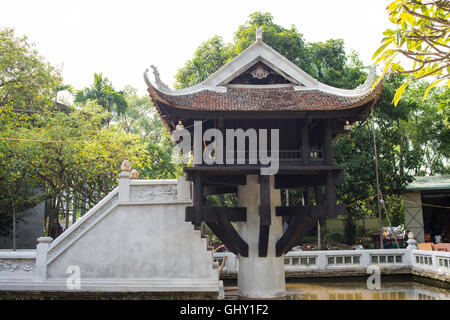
(316, 156)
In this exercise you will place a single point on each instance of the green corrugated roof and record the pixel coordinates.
(430, 183)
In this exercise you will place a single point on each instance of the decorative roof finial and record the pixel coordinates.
(158, 82)
(369, 80)
(258, 35)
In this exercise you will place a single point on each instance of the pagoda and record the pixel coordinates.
(262, 91)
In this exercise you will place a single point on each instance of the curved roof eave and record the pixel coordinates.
(260, 51)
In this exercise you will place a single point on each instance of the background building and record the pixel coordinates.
(426, 202)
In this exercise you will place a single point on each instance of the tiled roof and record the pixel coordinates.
(263, 99)
(430, 183)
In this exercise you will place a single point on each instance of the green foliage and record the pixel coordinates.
(104, 94)
(327, 61)
(411, 140)
(222, 200)
(422, 37)
(50, 153)
(349, 229)
(309, 239)
(141, 118)
(65, 153)
(333, 236)
(28, 85)
(27, 82)
(208, 58)
(159, 164)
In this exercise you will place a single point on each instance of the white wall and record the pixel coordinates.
(135, 239)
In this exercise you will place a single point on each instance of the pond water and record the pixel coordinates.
(339, 289)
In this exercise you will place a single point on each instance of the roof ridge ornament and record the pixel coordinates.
(259, 35)
(369, 80)
(161, 85)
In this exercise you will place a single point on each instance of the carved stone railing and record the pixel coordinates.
(153, 190)
(80, 227)
(19, 264)
(435, 264)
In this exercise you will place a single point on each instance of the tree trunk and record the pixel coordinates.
(53, 229)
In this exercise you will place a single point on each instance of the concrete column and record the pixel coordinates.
(124, 186)
(41, 258)
(412, 244)
(260, 277)
(183, 189)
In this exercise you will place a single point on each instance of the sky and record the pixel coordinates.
(123, 38)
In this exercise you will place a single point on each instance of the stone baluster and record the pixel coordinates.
(41, 258)
(412, 243)
(183, 189)
(124, 181)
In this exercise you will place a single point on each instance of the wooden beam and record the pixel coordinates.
(211, 214)
(305, 142)
(306, 225)
(328, 142)
(263, 241)
(179, 113)
(217, 219)
(331, 195)
(242, 170)
(264, 209)
(232, 236)
(197, 200)
(210, 190)
(318, 195)
(316, 211)
(221, 179)
(307, 180)
(296, 228)
(220, 233)
(307, 210)
(308, 194)
(264, 215)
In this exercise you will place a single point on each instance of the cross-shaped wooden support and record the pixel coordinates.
(264, 215)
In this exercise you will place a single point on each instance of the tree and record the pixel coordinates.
(140, 117)
(427, 128)
(422, 37)
(208, 58)
(104, 94)
(72, 152)
(325, 61)
(412, 139)
(27, 82)
(28, 85)
(213, 54)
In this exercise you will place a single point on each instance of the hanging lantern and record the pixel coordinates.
(347, 126)
(179, 125)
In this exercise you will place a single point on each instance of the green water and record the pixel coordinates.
(343, 289)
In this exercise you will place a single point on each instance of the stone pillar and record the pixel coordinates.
(183, 189)
(260, 277)
(41, 258)
(412, 243)
(124, 182)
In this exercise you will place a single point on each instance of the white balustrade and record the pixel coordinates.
(436, 262)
